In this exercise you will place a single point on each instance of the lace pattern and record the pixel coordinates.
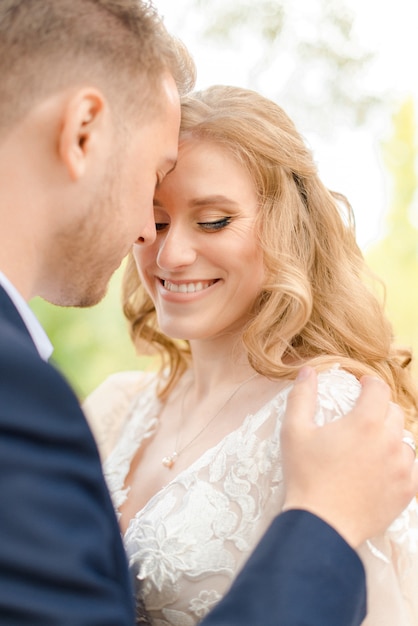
(190, 540)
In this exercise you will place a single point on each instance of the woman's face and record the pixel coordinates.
(205, 268)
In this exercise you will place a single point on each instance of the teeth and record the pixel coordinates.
(187, 287)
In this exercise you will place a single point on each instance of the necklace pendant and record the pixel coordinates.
(168, 461)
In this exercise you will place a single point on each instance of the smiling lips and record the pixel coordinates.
(187, 287)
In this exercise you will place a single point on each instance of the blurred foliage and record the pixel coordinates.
(89, 344)
(306, 55)
(395, 257)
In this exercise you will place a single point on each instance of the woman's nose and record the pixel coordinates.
(176, 249)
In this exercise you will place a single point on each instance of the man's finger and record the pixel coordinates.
(301, 401)
(374, 400)
(409, 440)
(415, 477)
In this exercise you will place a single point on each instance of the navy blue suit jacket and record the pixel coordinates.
(61, 556)
(301, 574)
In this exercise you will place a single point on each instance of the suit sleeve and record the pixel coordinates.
(61, 556)
(301, 574)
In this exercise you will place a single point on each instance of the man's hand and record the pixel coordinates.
(354, 473)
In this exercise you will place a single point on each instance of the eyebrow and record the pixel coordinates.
(215, 200)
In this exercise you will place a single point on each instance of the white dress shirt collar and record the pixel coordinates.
(39, 336)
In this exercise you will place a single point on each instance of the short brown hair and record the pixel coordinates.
(121, 46)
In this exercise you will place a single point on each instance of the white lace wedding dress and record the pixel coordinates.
(187, 544)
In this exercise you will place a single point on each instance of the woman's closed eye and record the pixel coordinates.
(216, 224)
(210, 226)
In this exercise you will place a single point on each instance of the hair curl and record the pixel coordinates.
(316, 305)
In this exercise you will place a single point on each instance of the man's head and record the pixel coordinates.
(119, 46)
(89, 118)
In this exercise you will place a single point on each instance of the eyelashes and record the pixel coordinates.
(216, 225)
(206, 226)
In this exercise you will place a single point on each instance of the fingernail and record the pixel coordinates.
(304, 373)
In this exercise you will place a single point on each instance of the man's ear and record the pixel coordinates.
(83, 123)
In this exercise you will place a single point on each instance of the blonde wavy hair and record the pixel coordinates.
(316, 305)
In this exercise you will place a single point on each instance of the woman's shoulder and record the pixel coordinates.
(338, 391)
(116, 390)
(107, 407)
(337, 379)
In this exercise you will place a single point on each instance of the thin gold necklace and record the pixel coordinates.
(169, 460)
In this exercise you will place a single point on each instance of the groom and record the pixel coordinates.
(89, 120)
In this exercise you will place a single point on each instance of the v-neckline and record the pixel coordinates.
(154, 411)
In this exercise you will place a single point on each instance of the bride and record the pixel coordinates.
(254, 272)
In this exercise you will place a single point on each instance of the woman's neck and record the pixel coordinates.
(218, 364)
